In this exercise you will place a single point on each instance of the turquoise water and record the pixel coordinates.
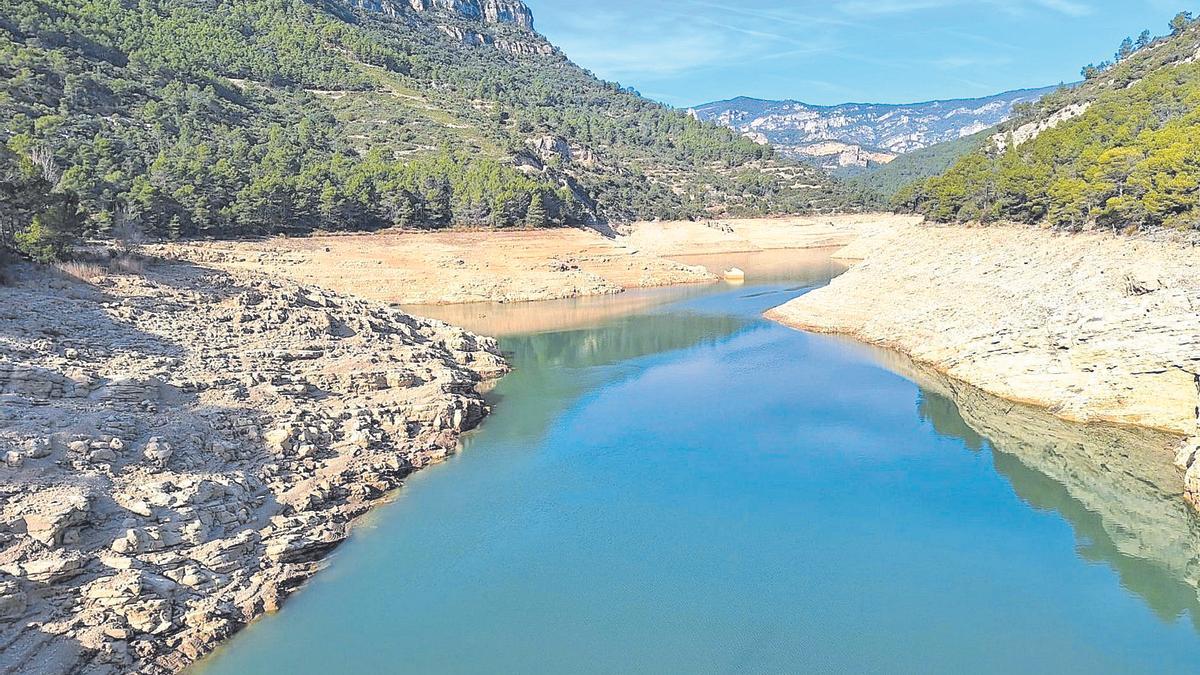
(688, 488)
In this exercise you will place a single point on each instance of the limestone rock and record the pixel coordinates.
(213, 442)
(49, 518)
(13, 601)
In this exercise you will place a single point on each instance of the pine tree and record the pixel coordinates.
(1181, 22)
(1125, 50)
(536, 216)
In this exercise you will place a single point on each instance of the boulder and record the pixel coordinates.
(158, 451)
(52, 515)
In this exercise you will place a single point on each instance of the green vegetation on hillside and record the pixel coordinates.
(885, 180)
(1132, 159)
(243, 117)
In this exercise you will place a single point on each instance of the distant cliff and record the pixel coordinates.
(491, 11)
(858, 135)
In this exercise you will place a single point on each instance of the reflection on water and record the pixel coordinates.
(1117, 486)
(561, 364)
(687, 488)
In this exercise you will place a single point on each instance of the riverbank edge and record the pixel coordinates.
(452, 267)
(134, 548)
(882, 301)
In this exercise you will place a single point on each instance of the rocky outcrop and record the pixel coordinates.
(491, 11)
(838, 155)
(182, 450)
(1093, 326)
(512, 12)
(1031, 130)
(471, 23)
(471, 38)
(557, 148)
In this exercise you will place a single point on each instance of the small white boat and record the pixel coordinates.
(735, 274)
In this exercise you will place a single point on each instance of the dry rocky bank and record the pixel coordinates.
(463, 266)
(180, 449)
(1092, 326)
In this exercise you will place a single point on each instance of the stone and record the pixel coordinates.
(53, 514)
(38, 448)
(158, 451)
(50, 569)
(102, 456)
(13, 601)
(1186, 456)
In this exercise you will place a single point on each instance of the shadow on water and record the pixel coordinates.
(1116, 486)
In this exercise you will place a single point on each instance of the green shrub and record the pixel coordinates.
(50, 236)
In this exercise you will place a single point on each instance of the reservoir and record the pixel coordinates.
(671, 484)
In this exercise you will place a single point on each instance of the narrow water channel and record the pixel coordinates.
(671, 484)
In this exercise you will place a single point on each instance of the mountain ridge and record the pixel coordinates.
(1019, 90)
(873, 133)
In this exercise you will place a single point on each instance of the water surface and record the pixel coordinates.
(670, 483)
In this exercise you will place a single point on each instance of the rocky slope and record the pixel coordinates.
(181, 450)
(858, 135)
(1093, 326)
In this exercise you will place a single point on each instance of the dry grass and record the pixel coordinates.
(91, 268)
(81, 270)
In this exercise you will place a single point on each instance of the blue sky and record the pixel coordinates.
(686, 52)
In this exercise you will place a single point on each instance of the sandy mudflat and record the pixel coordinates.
(1092, 326)
(422, 268)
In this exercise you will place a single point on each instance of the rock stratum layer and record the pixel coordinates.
(181, 450)
(1093, 326)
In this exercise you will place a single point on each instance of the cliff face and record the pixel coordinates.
(491, 11)
(447, 16)
(512, 12)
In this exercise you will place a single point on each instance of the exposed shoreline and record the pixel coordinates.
(184, 447)
(466, 266)
(1089, 326)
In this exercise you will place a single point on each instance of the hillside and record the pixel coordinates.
(1122, 150)
(883, 181)
(850, 137)
(250, 116)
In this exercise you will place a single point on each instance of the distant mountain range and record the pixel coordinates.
(850, 137)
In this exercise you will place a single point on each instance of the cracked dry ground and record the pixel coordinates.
(182, 448)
